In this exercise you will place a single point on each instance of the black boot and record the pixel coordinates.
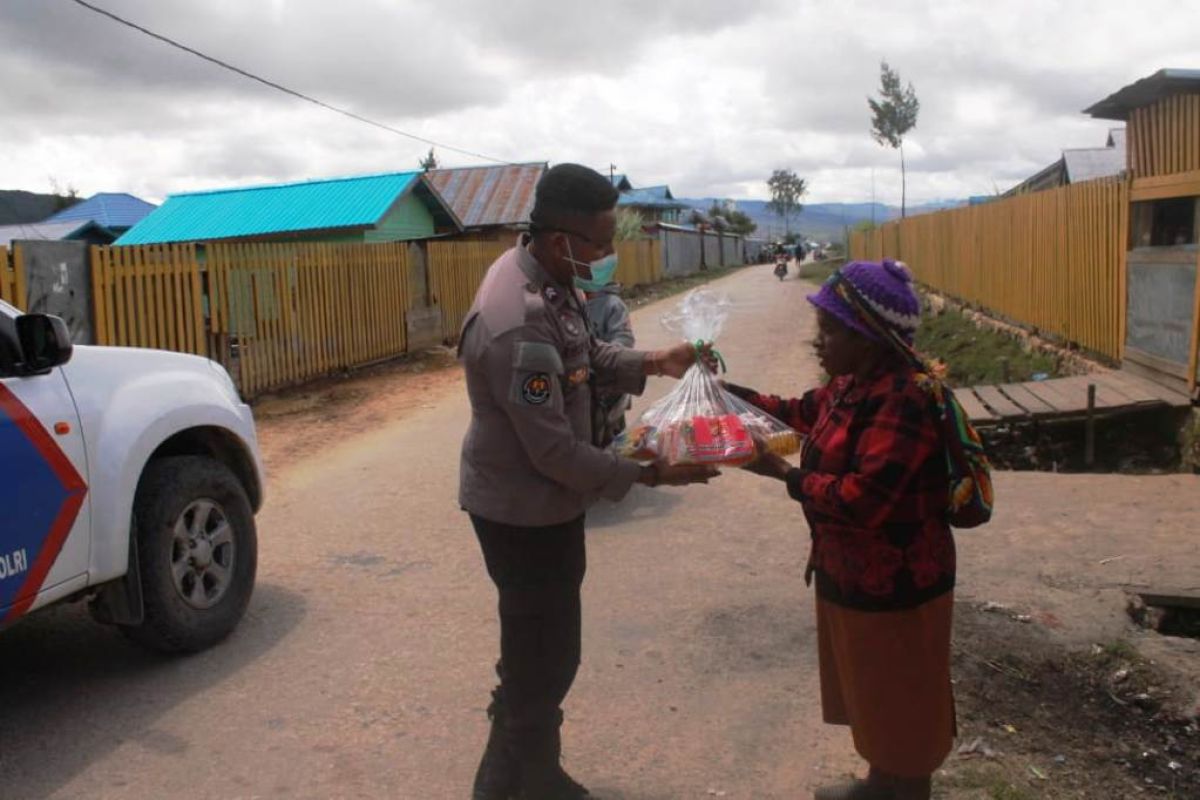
(496, 778)
(542, 776)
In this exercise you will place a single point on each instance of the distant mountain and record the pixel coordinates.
(821, 221)
(19, 207)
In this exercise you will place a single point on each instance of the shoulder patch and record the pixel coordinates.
(536, 388)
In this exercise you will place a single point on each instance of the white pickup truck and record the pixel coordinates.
(129, 478)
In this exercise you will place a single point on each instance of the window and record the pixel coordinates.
(1165, 223)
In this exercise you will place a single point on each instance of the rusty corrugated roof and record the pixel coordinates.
(482, 196)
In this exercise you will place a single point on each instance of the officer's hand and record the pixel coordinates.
(676, 360)
(681, 474)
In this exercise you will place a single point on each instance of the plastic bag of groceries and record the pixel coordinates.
(698, 422)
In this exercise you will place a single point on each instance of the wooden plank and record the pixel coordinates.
(99, 292)
(162, 269)
(1149, 391)
(1114, 390)
(976, 411)
(1106, 396)
(1050, 395)
(1130, 387)
(1170, 598)
(1160, 186)
(19, 288)
(1027, 399)
(998, 403)
(1067, 395)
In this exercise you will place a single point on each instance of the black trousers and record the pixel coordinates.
(538, 572)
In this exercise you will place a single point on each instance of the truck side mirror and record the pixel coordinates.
(45, 343)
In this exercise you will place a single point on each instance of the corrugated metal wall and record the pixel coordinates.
(712, 250)
(731, 251)
(681, 252)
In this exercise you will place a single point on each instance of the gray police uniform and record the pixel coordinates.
(529, 470)
(528, 457)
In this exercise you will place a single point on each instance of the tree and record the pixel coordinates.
(429, 162)
(63, 198)
(786, 191)
(892, 116)
(734, 221)
(629, 225)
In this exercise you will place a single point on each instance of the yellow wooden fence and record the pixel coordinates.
(277, 314)
(272, 314)
(280, 314)
(1052, 260)
(12, 277)
(150, 296)
(455, 271)
(639, 262)
(1164, 137)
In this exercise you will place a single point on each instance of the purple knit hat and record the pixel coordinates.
(886, 286)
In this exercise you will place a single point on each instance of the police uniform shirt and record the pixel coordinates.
(528, 458)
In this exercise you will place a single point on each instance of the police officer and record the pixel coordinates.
(530, 466)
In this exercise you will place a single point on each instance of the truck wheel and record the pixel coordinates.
(197, 553)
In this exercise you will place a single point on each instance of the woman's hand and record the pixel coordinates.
(660, 473)
(769, 465)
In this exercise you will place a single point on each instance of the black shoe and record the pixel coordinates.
(496, 778)
(550, 783)
(541, 774)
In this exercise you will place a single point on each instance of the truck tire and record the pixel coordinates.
(197, 553)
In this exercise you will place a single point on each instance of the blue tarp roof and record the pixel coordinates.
(113, 210)
(650, 197)
(620, 182)
(335, 203)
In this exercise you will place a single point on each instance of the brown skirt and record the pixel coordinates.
(887, 675)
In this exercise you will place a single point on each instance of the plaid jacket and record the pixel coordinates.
(873, 484)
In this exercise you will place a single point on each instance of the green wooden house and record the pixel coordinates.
(398, 206)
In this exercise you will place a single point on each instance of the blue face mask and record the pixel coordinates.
(602, 270)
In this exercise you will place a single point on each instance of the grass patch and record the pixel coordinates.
(982, 782)
(1121, 650)
(645, 294)
(819, 271)
(977, 356)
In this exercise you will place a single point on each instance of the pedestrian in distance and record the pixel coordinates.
(530, 465)
(873, 484)
(609, 319)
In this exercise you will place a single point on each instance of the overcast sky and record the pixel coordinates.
(707, 97)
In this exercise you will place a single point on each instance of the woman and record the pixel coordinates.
(873, 485)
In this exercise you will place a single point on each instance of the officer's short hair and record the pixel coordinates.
(567, 192)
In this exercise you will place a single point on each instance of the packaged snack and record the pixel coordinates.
(699, 422)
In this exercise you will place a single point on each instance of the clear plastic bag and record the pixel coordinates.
(699, 422)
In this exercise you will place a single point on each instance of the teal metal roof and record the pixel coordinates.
(336, 203)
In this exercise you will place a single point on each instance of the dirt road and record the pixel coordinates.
(363, 666)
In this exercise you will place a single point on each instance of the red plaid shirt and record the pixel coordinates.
(873, 484)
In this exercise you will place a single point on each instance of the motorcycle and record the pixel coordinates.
(781, 269)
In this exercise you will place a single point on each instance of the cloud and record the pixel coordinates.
(707, 97)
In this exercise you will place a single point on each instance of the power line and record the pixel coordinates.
(284, 89)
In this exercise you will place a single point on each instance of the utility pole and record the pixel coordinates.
(612, 172)
(872, 197)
